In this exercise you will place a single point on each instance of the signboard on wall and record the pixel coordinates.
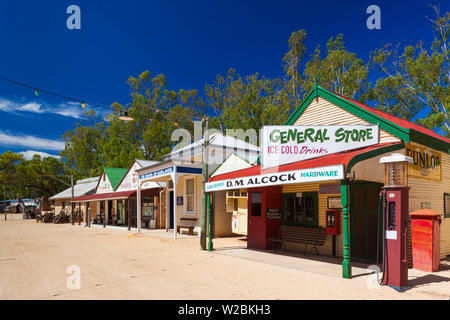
(334, 203)
(426, 164)
(330, 188)
(327, 173)
(129, 182)
(273, 214)
(286, 144)
(179, 201)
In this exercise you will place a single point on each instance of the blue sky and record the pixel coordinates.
(190, 42)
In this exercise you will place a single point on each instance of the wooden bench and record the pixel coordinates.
(309, 236)
(187, 223)
(99, 218)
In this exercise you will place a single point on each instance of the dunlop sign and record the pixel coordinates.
(426, 165)
(272, 179)
(287, 144)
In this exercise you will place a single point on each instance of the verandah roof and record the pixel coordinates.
(105, 196)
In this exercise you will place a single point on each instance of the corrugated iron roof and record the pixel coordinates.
(80, 189)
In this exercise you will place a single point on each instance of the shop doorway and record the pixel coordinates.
(256, 236)
(364, 219)
(170, 209)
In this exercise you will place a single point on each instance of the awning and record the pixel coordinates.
(105, 196)
(328, 167)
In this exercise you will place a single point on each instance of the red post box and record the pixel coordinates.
(333, 222)
(426, 238)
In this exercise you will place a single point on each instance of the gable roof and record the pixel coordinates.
(232, 163)
(115, 175)
(142, 164)
(402, 129)
(218, 140)
(82, 187)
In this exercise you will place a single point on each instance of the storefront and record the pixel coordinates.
(325, 164)
(81, 188)
(115, 202)
(182, 174)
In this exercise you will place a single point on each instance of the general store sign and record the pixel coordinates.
(335, 172)
(286, 144)
(426, 163)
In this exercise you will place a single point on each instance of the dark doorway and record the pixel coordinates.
(364, 219)
(171, 209)
(110, 210)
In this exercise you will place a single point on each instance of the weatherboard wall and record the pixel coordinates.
(432, 192)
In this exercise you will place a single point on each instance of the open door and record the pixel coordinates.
(256, 237)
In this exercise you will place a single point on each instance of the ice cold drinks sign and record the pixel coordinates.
(287, 144)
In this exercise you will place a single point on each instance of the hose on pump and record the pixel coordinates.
(381, 210)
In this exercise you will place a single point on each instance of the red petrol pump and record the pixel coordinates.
(394, 199)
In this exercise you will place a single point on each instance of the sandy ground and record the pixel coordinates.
(117, 264)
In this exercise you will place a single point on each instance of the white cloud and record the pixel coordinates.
(30, 153)
(31, 107)
(8, 139)
(69, 109)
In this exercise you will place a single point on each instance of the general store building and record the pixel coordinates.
(296, 195)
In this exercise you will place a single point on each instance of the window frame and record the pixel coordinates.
(314, 223)
(446, 214)
(194, 194)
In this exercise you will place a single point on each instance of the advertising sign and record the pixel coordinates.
(426, 165)
(286, 144)
(334, 203)
(335, 172)
(130, 180)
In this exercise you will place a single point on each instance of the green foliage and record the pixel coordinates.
(414, 79)
(83, 151)
(30, 178)
(339, 71)
(246, 103)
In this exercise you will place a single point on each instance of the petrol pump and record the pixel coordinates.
(394, 199)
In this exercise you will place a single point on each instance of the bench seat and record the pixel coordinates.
(309, 236)
(187, 223)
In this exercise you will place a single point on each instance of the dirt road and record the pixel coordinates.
(116, 264)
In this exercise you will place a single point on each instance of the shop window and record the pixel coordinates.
(236, 204)
(300, 209)
(447, 205)
(256, 204)
(190, 195)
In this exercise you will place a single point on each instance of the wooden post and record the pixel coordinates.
(204, 208)
(139, 206)
(129, 214)
(210, 243)
(346, 263)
